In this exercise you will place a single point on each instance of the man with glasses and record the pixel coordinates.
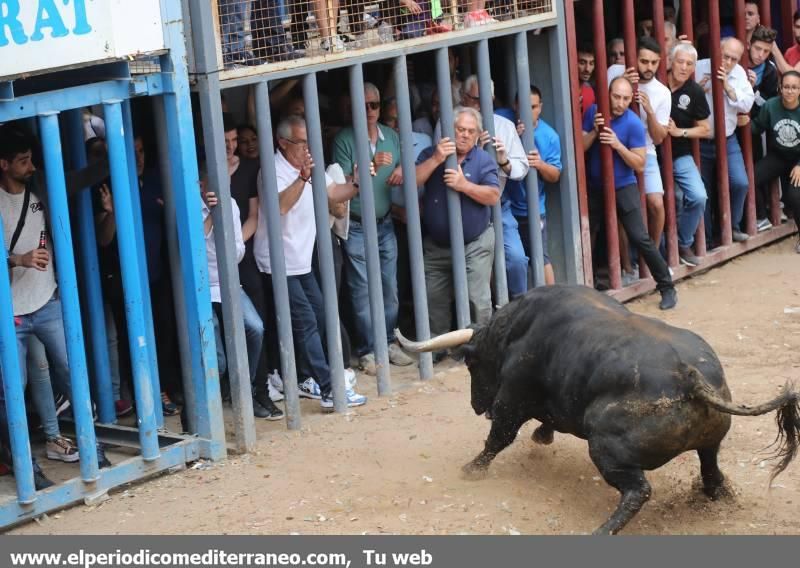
(293, 166)
(616, 52)
(384, 146)
(737, 98)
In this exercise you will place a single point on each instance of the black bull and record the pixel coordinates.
(638, 390)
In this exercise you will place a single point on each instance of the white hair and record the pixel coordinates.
(671, 27)
(370, 88)
(284, 129)
(459, 110)
(683, 47)
(466, 86)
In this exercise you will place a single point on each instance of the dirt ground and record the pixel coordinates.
(393, 466)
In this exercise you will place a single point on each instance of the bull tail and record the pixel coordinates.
(787, 405)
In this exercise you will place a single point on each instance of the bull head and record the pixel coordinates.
(482, 374)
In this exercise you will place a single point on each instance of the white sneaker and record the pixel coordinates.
(62, 449)
(275, 386)
(350, 378)
(309, 389)
(334, 44)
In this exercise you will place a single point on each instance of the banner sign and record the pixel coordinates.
(38, 35)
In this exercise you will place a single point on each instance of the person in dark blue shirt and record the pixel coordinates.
(626, 138)
(477, 183)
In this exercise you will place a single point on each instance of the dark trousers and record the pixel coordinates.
(308, 327)
(629, 213)
(762, 191)
(251, 280)
(338, 263)
(774, 166)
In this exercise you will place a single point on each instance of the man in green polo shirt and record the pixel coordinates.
(385, 152)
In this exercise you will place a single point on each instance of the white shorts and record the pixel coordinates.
(652, 176)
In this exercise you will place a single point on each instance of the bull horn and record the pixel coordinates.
(451, 339)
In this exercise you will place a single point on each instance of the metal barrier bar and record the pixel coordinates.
(720, 140)
(325, 245)
(68, 292)
(90, 266)
(270, 208)
(532, 179)
(670, 213)
(192, 249)
(606, 157)
(171, 236)
(227, 264)
(774, 186)
(135, 313)
(14, 392)
(788, 8)
(487, 112)
(413, 226)
(370, 225)
(138, 227)
(457, 248)
(577, 136)
(745, 138)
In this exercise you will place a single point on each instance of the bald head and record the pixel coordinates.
(621, 94)
(732, 50)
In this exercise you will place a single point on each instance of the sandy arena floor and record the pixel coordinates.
(393, 466)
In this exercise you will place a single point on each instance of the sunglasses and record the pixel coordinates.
(373, 105)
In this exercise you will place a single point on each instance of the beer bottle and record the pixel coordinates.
(43, 240)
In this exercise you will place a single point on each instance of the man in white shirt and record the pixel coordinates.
(737, 99)
(263, 407)
(655, 105)
(293, 166)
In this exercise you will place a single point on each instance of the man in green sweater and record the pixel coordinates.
(385, 152)
(780, 119)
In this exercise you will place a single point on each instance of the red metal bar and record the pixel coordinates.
(606, 158)
(745, 139)
(687, 23)
(774, 187)
(670, 219)
(788, 8)
(720, 143)
(765, 11)
(577, 134)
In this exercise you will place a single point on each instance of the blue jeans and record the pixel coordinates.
(38, 375)
(690, 198)
(516, 259)
(737, 179)
(232, 16)
(308, 327)
(356, 276)
(253, 331)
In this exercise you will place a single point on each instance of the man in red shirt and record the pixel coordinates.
(791, 60)
(586, 64)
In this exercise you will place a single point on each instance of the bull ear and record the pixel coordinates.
(466, 352)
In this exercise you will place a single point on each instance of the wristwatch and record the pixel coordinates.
(685, 133)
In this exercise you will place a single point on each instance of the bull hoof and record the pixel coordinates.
(718, 492)
(543, 435)
(474, 472)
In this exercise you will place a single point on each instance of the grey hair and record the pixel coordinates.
(671, 27)
(682, 47)
(459, 110)
(466, 86)
(284, 129)
(731, 39)
(370, 88)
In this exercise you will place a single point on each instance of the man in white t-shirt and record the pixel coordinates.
(293, 166)
(655, 104)
(737, 98)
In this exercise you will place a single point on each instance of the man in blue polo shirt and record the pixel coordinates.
(626, 137)
(546, 160)
(477, 183)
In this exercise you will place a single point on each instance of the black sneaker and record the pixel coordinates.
(40, 480)
(669, 299)
(271, 412)
(258, 410)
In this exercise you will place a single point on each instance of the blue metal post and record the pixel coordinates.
(457, 248)
(138, 227)
(370, 225)
(68, 291)
(270, 208)
(487, 112)
(194, 264)
(324, 244)
(91, 275)
(532, 179)
(14, 393)
(146, 398)
(413, 225)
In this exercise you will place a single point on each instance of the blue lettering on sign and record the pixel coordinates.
(48, 15)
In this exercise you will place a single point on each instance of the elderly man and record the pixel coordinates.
(293, 166)
(616, 51)
(655, 104)
(688, 120)
(737, 98)
(476, 181)
(625, 135)
(385, 151)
